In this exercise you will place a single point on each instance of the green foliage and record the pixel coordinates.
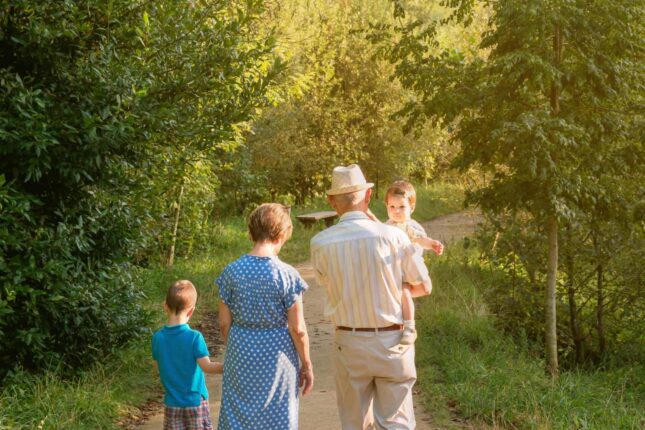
(468, 370)
(548, 112)
(515, 255)
(106, 109)
(100, 396)
(60, 299)
(334, 106)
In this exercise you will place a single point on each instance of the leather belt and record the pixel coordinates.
(371, 329)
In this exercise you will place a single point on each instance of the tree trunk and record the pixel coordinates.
(600, 298)
(173, 240)
(574, 325)
(600, 313)
(551, 335)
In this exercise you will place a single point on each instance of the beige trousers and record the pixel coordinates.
(374, 379)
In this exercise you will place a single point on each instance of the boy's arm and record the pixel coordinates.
(155, 365)
(209, 366)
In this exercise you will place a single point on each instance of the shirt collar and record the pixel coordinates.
(353, 216)
(176, 328)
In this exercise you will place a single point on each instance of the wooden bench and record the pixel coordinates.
(310, 219)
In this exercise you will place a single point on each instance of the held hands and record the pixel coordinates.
(306, 378)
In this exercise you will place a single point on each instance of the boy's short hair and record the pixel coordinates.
(269, 221)
(404, 189)
(181, 295)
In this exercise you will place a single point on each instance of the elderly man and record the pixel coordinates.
(363, 264)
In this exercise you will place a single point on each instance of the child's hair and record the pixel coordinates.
(269, 221)
(181, 295)
(404, 189)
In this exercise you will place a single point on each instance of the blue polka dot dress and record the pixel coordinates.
(260, 382)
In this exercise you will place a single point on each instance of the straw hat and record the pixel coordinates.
(347, 180)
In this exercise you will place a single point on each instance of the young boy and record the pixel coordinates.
(400, 200)
(181, 356)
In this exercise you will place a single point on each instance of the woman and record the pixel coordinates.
(262, 323)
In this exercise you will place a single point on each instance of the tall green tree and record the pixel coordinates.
(549, 98)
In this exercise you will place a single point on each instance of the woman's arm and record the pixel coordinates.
(298, 332)
(225, 320)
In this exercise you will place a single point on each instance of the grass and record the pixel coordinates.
(112, 389)
(468, 369)
(102, 395)
(95, 399)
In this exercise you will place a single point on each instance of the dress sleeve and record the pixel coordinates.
(225, 287)
(199, 347)
(296, 287)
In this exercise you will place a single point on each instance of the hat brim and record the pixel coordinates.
(350, 189)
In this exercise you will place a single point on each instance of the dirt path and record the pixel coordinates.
(318, 410)
(453, 227)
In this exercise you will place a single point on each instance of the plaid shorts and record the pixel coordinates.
(190, 418)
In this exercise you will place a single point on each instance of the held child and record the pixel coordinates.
(400, 200)
(181, 356)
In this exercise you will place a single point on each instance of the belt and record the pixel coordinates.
(371, 329)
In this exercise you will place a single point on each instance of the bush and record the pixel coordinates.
(61, 299)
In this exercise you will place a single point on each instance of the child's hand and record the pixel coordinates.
(437, 247)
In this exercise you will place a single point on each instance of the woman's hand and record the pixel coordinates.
(306, 378)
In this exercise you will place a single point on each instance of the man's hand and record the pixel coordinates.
(419, 290)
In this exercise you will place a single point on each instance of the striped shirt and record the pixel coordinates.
(363, 264)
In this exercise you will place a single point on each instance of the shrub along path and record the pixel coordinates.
(318, 410)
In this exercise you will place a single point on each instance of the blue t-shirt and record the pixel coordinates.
(176, 349)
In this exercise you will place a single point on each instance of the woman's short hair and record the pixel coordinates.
(270, 221)
(181, 295)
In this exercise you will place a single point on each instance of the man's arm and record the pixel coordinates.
(419, 290)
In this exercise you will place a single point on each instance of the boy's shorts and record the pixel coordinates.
(191, 418)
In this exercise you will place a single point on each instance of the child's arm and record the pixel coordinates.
(427, 243)
(209, 366)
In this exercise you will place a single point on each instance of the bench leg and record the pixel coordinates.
(308, 223)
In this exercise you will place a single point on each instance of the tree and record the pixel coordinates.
(528, 111)
(96, 97)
